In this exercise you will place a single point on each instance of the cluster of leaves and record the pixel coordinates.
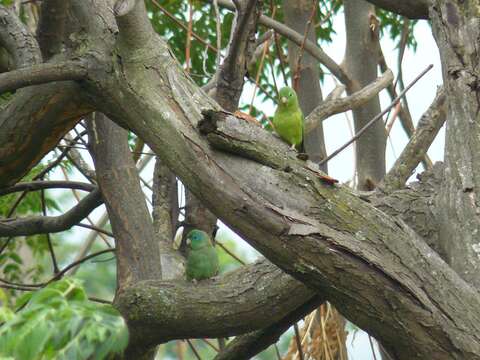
(59, 322)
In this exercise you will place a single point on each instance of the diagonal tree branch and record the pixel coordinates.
(334, 106)
(428, 127)
(40, 185)
(51, 224)
(41, 74)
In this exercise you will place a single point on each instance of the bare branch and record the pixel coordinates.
(248, 345)
(297, 38)
(41, 74)
(51, 224)
(334, 106)
(376, 118)
(428, 127)
(18, 41)
(54, 184)
(412, 9)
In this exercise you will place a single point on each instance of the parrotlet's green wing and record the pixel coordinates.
(202, 260)
(202, 264)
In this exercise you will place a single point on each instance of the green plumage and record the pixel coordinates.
(288, 118)
(202, 260)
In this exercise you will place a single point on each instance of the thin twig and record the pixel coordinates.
(259, 72)
(296, 76)
(75, 263)
(77, 197)
(189, 36)
(275, 86)
(183, 26)
(95, 228)
(230, 253)
(211, 345)
(277, 352)
(195, 352)
(278, 48)
(379, 116)
(56, 270)
(299, 343)
(60, 273)
(372, 347)
(219, 32)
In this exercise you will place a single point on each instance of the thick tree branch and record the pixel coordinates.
(230, 76)
(323, 235)
(334, 106)
(41, 74)
(51, 27)
(253, 297)
(412, 9)
(134, 31)
(51, 224)
(19, 42)
(360, 61)
(138, 255)
(428, 127)
(32, 124)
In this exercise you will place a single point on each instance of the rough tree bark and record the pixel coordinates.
(372, 266)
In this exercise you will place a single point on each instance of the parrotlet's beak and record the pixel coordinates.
(283, 100)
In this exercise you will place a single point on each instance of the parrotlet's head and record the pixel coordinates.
(287, 97)
(197, 239)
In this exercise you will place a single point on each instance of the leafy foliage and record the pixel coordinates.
(59, 322)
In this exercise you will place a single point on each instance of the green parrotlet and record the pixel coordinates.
(202, 259)
(288, 118)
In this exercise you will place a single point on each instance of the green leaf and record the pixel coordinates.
(59, 322)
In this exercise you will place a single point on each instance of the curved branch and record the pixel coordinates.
(18, 41)
(335, 106)
(39, 185)
(412, 9)
(51, 224)
(42, 74)
(253, 297)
